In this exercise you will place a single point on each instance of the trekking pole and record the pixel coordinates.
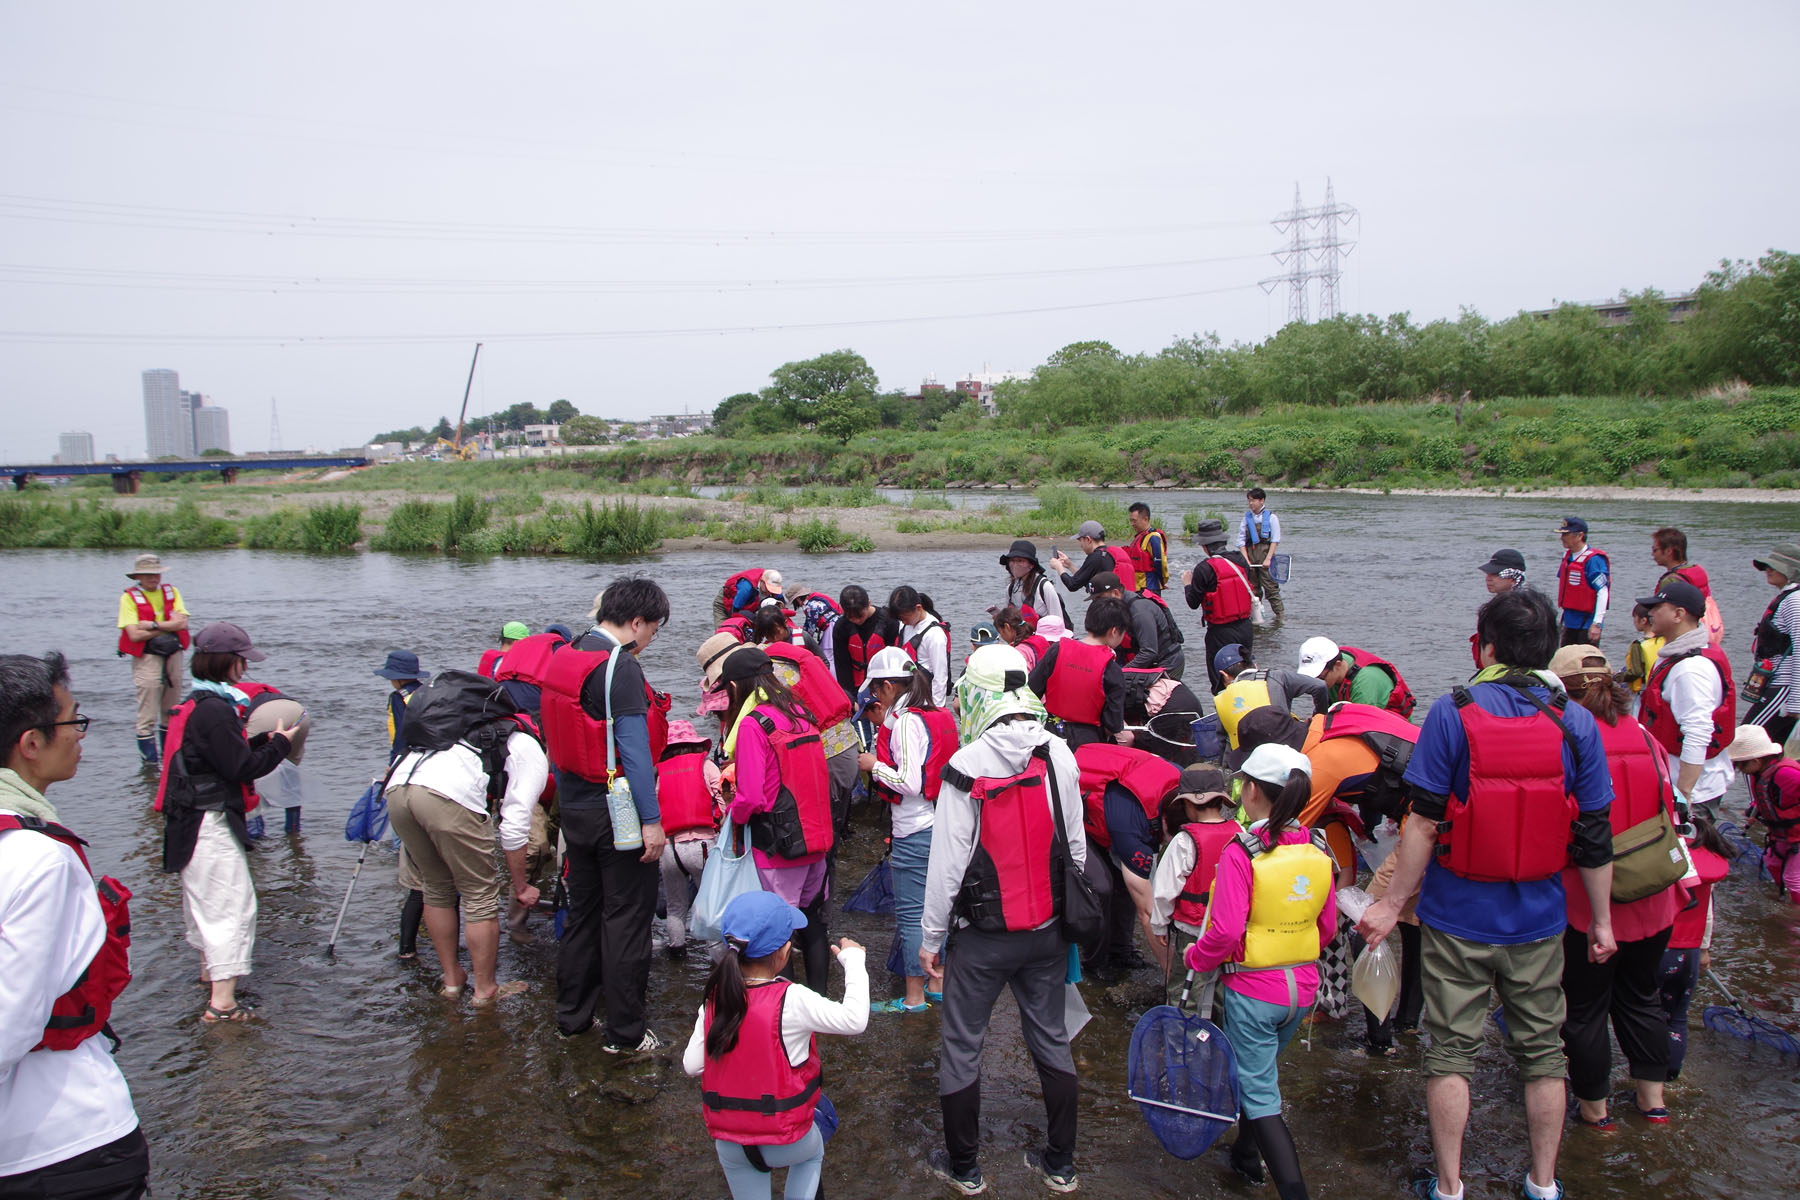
(331, 946)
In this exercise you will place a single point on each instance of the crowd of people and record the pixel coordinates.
(1056, 786)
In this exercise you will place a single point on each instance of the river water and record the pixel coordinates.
(359, 1081)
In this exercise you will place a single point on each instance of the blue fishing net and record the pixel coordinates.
(1183, 1076)
(368, 816)
(875, 894)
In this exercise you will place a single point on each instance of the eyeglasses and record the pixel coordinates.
(80, 723)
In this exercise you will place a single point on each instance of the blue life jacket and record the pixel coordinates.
(1257, 527)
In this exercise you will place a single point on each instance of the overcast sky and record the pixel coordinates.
(645, 208)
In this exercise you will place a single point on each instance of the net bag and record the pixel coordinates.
(1183, 1076)
(875, 894)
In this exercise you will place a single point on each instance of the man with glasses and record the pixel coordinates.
(67, 1125)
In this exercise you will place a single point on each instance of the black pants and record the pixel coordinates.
(1412, 991)
(119, 1170)
(1118, 936)
(1577, 637)
(1217, 636)
(606, 940)
(1626, 988)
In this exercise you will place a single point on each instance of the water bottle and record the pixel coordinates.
(1759, 679)
(628, 831)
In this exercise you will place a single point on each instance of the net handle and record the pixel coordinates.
(1192, 1112)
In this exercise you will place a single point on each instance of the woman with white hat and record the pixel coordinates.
(1774, 801)
(1271, 915)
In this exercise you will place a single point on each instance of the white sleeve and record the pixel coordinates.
(1693, 691)
(693, 1059)
(1600, 599)
(934, 656)
(953, 831)
(911, 742)
(1166, 882)
(805, 1012)
(52, 930)
(1243, 523)
(526, 771)
(1068, 789)
(1274, 528)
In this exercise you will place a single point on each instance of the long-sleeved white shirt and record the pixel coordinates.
(910, 745)
(1693, 691)
(934, 655)
(54, 1104)
(456, 774)
(1168, 880)
(1274, 537)
(1001, 752)
(803, 1013)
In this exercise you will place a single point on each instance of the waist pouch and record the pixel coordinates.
(1647, 858)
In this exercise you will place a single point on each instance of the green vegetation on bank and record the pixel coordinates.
(97, 525)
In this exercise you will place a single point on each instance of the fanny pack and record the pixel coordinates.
(1647, 858)
(163, 645)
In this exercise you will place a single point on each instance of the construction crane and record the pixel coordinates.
(459, 449)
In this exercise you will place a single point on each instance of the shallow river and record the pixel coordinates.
(359, 1081)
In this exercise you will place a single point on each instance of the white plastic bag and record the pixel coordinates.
(1375, 980)
(1353, 902)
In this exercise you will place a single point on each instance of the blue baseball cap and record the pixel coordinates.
(762, 921)
(1230, 657)
(1573, 525)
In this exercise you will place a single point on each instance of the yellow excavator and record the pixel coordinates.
(460, 450)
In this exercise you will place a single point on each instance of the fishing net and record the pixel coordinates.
(875, 894)
(1183, 1076)
(1734, 1020)
(368, 816)
(1743, 850)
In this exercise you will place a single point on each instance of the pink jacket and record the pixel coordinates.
(759, 779)
(1227, 915)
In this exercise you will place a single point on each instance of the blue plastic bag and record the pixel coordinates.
(726, 877)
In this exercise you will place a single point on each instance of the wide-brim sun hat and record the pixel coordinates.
(1022, 548)
(711, 653)
(146, 564)
(683, 733)
(402, 664)
(1783, 557)
(1752, 742)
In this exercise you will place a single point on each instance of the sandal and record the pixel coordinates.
(897, 1005)
(451, 991)
(237, 1012)
(1656, 1116)
(511, 987)
(1605, 1124)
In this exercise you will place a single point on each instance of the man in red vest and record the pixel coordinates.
(153, 625)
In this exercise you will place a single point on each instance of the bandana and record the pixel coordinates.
(1514, 574)
(977, 708)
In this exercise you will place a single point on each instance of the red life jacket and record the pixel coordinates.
(488, 659)
(1145, 561)
(207, 786)
(737, 626)
(1127, 563)
(1230, 601)
(1660, 720)
(1767, 641)
(1573, 591)
(751, 1094)
(1040, 646)
(1399, 700)
(910, 642)
(799, 825)
(576, 742)
(1517, 821)
(147, 613)
(82, 1011)
(529, 658)
(1011, 882)
(1775, 799)
(754, 578)
(1147, 777)
(940, 746)
(1074, 690)
(1196, 893)
(862, 649)
(818, 689)
(681, 791)
(1690, 922)
(1640, 778)
(1169, 638)
(252, 689)
(1390, 738)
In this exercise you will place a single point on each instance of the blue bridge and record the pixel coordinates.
(127, 475)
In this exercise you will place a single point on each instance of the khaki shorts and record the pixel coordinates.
(1458, 978)
(450, 848)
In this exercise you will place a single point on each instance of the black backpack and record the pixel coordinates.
(467, 708)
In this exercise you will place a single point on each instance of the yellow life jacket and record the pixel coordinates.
(1248, 692)
(1289, 884)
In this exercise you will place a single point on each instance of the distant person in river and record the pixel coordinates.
(67, 1125)
(1510, 792)
(510, 632)
(153, 633)
(1259, 537)
(1091, 537)
(1219, 585)
(1504, 571)
(1690, 700)
(1583, 584)
(1151, 548)
(1152, 639)
(862, 632)
(925, 638)
(1669, 550)
(204, 796)
(1774, 803)
(1080, 680)
(745, 591)
(404, 676)
(755, 1050)
(1356, 675)
(1028, 585)
(1774, 647)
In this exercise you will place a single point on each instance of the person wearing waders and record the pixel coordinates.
(404, 676)
(153, 634)
(1776, 672)
(993, 907)
(1505, 771)
(67, 1125)
(1258, 537)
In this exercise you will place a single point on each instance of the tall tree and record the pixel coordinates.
(560, 411)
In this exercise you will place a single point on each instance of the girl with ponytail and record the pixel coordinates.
(924, 637)
(1271, 914)
(754, 1039)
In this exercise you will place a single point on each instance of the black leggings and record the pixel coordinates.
(1679, 975)
(1625, 989)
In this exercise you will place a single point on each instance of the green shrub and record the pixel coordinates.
(819, 535)
(414, 525)
(331, 528)
(616, 529)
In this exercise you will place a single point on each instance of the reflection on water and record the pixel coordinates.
(360, 1081)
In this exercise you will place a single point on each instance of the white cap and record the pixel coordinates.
(771, 582)
(1317, 653)
(1272, 763)
(891, 663)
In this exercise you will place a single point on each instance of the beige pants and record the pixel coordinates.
(451, 849)
(154, 698)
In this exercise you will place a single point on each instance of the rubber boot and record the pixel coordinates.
(147, 750)
(1245, 1158)
(292, 824)
(411, 913)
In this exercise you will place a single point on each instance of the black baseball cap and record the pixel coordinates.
(1680, 593)
(1503, 560)
(1105, 581)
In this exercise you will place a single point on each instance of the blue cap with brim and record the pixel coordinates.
(760, 923)
(402, 664)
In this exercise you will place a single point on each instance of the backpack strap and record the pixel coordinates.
(1553, 710)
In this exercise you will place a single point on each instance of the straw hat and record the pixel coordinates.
(1752, 742)
(145, 564)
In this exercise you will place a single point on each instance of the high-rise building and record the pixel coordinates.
(74, 448)
(168, 423)
(212, 429)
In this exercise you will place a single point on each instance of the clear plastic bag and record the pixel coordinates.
(1375, 980)
(1353, 902)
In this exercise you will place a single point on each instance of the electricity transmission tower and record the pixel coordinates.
(1315, 250)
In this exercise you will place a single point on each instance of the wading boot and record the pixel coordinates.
(147, 751)
(292, 824)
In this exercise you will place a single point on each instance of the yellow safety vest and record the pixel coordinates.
(1249, 691)
(1289, 885)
